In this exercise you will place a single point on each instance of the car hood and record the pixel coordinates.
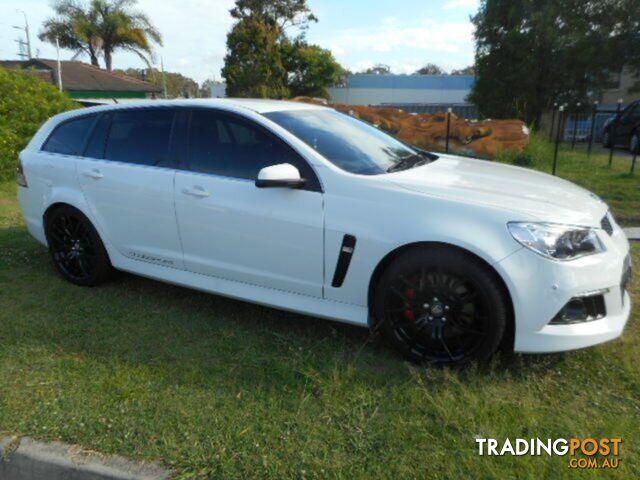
(520, 190)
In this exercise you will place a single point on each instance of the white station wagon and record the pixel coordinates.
(303, 208)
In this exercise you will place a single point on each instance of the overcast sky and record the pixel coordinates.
(404, 34)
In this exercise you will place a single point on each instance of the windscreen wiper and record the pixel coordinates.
(408, 162)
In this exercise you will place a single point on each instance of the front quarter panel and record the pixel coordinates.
(384, 217)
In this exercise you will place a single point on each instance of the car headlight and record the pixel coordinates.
(559, 242)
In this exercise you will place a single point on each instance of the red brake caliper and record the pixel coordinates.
(408, 313)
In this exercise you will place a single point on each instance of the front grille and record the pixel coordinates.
(605, 223)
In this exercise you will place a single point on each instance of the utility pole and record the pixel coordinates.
(59, 64)
(22, 44)
(21, 48)
(164, 78)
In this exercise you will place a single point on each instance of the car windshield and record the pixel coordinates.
(351, 144)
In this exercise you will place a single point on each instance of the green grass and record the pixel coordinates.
(216, 388)
(614, 184)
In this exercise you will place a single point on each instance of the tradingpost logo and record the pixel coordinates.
(583, 453)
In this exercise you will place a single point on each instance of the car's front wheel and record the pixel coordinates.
(75, 246)
(440, 305)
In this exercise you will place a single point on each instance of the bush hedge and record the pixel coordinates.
(26, 102)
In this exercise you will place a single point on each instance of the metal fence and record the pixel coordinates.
(583, 126)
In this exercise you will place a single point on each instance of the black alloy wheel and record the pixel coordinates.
(76, 249)
(441, 306)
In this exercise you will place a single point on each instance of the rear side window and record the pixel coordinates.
(140, 136)
(232, 147)
(69, 137)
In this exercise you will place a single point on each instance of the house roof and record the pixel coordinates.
(79, 76)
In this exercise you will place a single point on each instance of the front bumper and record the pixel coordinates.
(540, 288)
(558, 338)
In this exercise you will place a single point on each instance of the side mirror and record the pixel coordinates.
(282, 175)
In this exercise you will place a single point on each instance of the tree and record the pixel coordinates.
(310, 69)
(26, 102)
(430, 69)
(102, 27)
(282, 13)
(532, 54)
(253, 65)
(206, 87)
(65, 27)
(263, 61)
(178, 86)
(470, 70)
(378, 69)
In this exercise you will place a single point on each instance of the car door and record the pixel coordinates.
(270, 237)
(127, 175)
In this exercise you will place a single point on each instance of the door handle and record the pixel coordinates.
(196, 192)
(93, 173)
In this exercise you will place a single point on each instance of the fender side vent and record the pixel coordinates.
(344, 259)
(605, 223)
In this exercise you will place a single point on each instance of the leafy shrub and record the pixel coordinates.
(523, 159)
(538, 153)
(26, 102)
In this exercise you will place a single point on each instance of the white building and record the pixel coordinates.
(420, 93)
(218, 89)
(413, 93)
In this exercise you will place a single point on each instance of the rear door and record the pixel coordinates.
(127, 175)
(271, 237)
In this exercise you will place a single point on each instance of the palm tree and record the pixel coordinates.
(101, 28)
(64, 27)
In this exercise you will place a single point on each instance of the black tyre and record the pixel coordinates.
(634, 143)
(439, 305)
(606, 139)
(76, 249)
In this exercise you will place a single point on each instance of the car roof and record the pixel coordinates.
(256, 105)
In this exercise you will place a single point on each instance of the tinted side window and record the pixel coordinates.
(209, 143)
(98, 138)
(140, 136)
(232, 147)
(69, 137)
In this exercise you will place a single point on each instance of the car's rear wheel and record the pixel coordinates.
(634, 144)
(440, 305)
(75, 247)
